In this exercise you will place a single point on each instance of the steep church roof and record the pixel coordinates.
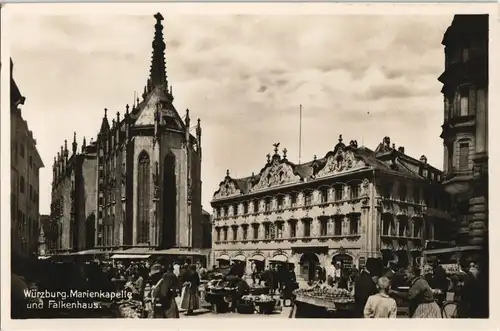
(157, 99)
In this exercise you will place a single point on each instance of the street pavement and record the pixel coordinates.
(205, 312)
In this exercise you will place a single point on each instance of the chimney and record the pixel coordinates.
(401, 149)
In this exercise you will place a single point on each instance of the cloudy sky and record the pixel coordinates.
(365, 77)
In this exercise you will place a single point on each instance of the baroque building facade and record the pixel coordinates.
(350, 205)
(25, 178)
(465, 127)
(144, 172)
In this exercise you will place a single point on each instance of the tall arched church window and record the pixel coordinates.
(143, 197)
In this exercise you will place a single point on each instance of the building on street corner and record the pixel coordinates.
(25, 177)
(352, 204)
(465, 127)
(138, 184)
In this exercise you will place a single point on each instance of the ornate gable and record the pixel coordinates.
(278, 171)
(227, 188)
(340, 160)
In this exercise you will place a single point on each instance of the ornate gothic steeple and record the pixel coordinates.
(157, 74)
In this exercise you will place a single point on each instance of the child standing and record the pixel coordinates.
(381, 305)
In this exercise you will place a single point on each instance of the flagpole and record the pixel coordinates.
(300, 133)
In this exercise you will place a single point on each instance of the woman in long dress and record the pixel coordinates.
(421, 299)
(164, 292)
(190, 300)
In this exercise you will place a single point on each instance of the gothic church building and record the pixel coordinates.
(141, 184)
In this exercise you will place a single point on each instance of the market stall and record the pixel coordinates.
(261, 304)
(322, 301)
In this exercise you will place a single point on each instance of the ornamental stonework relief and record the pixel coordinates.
(227, 188)
(342, 160)
(275, 174)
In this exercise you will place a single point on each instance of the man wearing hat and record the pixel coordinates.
(439, 279)
(163, 291)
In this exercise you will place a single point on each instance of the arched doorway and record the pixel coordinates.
(169, 229)
(309, 262)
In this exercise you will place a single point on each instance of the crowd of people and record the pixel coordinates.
(375, 289)
(375, 296)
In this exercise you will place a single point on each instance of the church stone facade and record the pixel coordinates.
(142, 183)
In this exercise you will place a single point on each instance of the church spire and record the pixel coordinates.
(157, 74)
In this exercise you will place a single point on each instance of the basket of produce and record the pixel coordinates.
(265, 303)
(246, 306)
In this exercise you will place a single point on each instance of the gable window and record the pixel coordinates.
(279, 202)
(339, 192)
(324, 194)
(337, 225)
(323, 230)
(245, 208)
(307, 228)
(293, 228)
(293, 199)
(464, 101)
(235, 232)
(464, 156)
(226, 211)
(245, 231)
(225, 233)
(255, 231)
(268, 230)
(235, 210)
(279, 230)
(21, 185)
(355, 191)
(354, 223)
(256, 206)
(402, 192)
(386, 225)
(416, 195)
(307, 198)
(268, 205)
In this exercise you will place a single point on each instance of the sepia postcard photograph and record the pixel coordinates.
(257, 161)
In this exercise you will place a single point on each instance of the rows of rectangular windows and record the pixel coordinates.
(276, 230)
(22, 153)
(324, 195)
(32, 193)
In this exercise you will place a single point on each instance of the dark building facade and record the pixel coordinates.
(140, 179)
(465, 127)
(73, 206)
(25, 180)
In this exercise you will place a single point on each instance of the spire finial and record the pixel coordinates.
(105, 112)
(65, 144)
(340, 139)
(268, 157)
(118, 117)
(315, 158)
(227, 172)
(74, 145)
(158, 74)
(284, 152)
